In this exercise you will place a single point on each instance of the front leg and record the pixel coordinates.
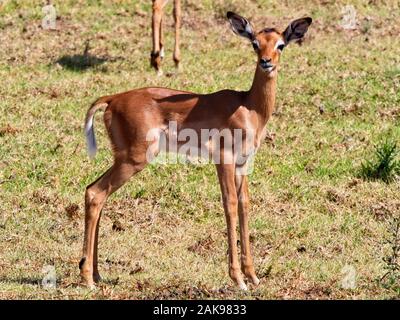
(246, 258)
(226, 176)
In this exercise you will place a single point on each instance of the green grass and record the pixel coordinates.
(310, 213)
(385, 166)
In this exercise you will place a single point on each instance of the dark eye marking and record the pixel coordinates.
(280, 47)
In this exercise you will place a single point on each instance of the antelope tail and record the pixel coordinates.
(89, 131)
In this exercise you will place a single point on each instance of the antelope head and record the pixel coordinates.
(269, 43)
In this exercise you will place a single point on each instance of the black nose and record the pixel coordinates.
(265, 60)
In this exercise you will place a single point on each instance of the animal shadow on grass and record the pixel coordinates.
(22, 280)
(84, 61)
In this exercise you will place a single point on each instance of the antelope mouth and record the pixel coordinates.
(268, 68)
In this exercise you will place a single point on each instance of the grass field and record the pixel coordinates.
(314, 221)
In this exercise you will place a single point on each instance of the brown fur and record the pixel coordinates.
(130, 115)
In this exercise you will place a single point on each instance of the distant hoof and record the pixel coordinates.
(96, 277)
(155, 61)
(160, 73)
(178, 67)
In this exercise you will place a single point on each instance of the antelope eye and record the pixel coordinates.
(255, 44)
(280, 47)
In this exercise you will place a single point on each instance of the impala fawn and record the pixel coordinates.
(130, 116)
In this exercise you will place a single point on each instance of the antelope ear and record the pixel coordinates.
(241, 26)
(296, 29)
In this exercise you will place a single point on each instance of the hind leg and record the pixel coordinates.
(162, 53)
(95, 197)
(155, 57)
(177, 18)
(96, 274)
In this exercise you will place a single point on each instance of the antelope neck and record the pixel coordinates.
(261, 96)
